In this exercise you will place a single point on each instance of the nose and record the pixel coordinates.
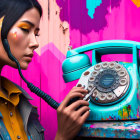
(33, 42)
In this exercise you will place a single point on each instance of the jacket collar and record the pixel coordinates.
(25, 94)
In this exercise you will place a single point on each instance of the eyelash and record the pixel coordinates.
(37, 35)
(27, 31)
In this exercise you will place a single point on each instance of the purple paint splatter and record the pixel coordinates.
(76, 13)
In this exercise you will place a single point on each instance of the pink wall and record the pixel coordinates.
(68, 23)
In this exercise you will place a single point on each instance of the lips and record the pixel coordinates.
(28, 57)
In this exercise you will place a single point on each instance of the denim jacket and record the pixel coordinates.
(32, 126)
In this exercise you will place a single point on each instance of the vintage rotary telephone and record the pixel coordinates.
(114, 87)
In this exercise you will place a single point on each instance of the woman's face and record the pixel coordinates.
(22, 39)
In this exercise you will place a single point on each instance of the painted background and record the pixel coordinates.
(73, 23)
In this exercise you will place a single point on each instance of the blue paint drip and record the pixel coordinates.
(91, 6)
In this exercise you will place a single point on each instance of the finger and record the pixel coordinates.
(83, 91)
(69, 97)
(75, 92)
(79, 89)
(77, 104)
(82, 110)
(83, 118)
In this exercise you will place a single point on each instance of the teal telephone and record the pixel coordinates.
(114, 87)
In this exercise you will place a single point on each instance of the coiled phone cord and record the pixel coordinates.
(33, 88)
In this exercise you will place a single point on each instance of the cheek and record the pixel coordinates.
(16, 36)
(17, 42)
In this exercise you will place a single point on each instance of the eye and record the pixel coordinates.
(25, 30)
(37, 35)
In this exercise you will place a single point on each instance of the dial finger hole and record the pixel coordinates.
(90, 87)
(105, 65)
(97, 67)
(102, 96)
(94, 73)
(112, 64)
(118, 67)
(79, 85)
(110, 96)
(95, 93)
(122, 73)
(123, 82)
(86, 73)
(91, 79)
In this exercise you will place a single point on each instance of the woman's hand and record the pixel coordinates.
(70, 119)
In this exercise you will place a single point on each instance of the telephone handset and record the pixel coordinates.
(114, 87)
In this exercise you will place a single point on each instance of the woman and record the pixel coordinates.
(19, 25)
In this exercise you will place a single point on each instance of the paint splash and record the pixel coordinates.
(91, 6)
(15, 34)
(125, 112)
(118, 130)
(136, 2)
(75, 12)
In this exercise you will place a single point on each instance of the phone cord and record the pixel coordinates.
(33, 88)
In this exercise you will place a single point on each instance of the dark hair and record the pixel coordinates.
(12, 10)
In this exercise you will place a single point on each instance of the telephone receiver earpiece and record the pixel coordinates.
(33, 88)
(74, 66)
(77, 62)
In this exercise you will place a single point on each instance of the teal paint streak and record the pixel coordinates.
(92, 5)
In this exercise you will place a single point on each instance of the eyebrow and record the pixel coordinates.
(30, 23)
